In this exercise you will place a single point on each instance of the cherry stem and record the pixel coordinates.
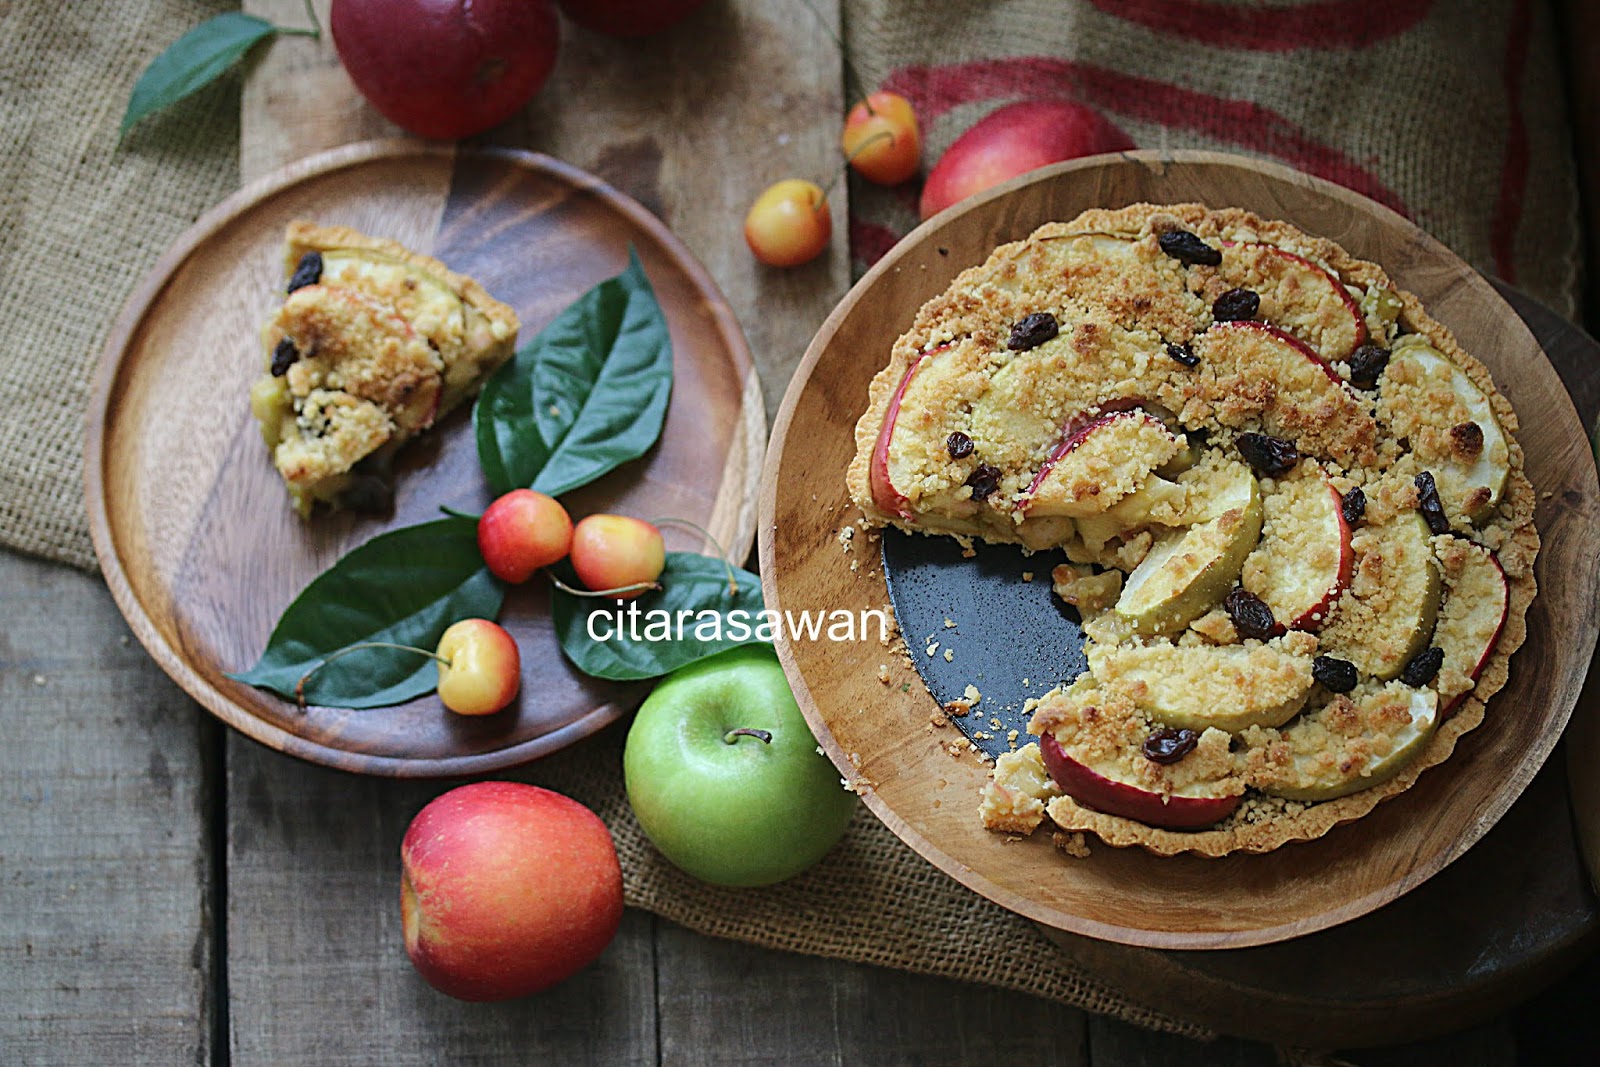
(852, 77)
(315, 32)
(746, 731)
(300, 686)
(636, 587)
(722, 554)
(851, 158)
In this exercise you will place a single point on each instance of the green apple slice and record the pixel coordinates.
(1349, 744)
(1230, 687)
(1187, 571)
(1470, 465)
(1387, 613)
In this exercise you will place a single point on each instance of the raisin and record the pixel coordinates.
(1033, 331)
(1336, 675)
(1167, 745)
(1183, 354)
(1185, 247)
(959, 445)
(307, 272)
(984, 481)
(1429, 504)
(1466, 440)
(1353, 505)
(1236, 305)
(1250, 614)
(284, 356)
(1269, 455)
(1366, 363)
(1420, 671)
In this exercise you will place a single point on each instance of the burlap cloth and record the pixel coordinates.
(1449, 111)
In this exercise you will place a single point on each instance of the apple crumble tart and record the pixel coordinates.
(373, 342)
(1295, 520)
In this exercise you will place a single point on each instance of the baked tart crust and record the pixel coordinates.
(1185, 401)
(371, 345)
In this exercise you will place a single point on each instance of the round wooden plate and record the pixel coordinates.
(192, 525)
(882, 734)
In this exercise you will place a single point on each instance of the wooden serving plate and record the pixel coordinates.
(191, 523)
(929, 798)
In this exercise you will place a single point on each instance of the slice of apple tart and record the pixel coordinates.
(1295, 519)
(371, 345)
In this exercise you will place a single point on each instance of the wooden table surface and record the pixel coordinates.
(171, 892)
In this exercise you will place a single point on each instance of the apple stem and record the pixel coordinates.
(733, 584)
(300, 686)
(315, 32)
(636, 587)
(746, 731)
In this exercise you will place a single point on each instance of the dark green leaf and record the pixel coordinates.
(406, 587)
(692, 584)
(586, 395)
(194, 61)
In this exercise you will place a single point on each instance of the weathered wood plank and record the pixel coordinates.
(317, 970)
(105, 865)
(1118, 1044)
(723, 1003)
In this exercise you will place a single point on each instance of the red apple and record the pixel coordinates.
(884, 494)
(480, 669)
(1301, 587)
(628, 18)
(1013, 140)
(1103, 793)
(1311, 282)
(1070, 446)
(506, 889)
(446, 68)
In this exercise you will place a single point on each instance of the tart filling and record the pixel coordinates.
(371, 345)
(1294, 516)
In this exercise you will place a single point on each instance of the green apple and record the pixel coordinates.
(725, 777)
(1472, 481)
(1187, 571)
(1371, 741)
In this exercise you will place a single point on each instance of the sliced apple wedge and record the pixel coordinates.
(1304, 559)
(889, 499)
(1192, 807)
(425, 301)
(1386, 615)
(1345, 746)
(1471, 459)
(1099, 464)
(1477, 597)
(1186, 571)
(1259, 377)
(1230, 687)
(1304, 297)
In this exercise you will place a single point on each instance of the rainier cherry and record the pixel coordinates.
(881, 140)
(789, 224)
(480, 669)
(615, 552)
(521, 532)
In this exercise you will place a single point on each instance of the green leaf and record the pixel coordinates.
(406, 587)
(692, 584)
(193, 61)
(585, 396)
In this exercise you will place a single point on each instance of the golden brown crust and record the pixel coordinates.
(981, 303)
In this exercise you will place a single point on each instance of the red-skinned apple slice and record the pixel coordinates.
(1471, 619)
(884, 494)
(1304, 559)
(1308, 401)
(1300, 277)
(1178, 811)
(1100, 463)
